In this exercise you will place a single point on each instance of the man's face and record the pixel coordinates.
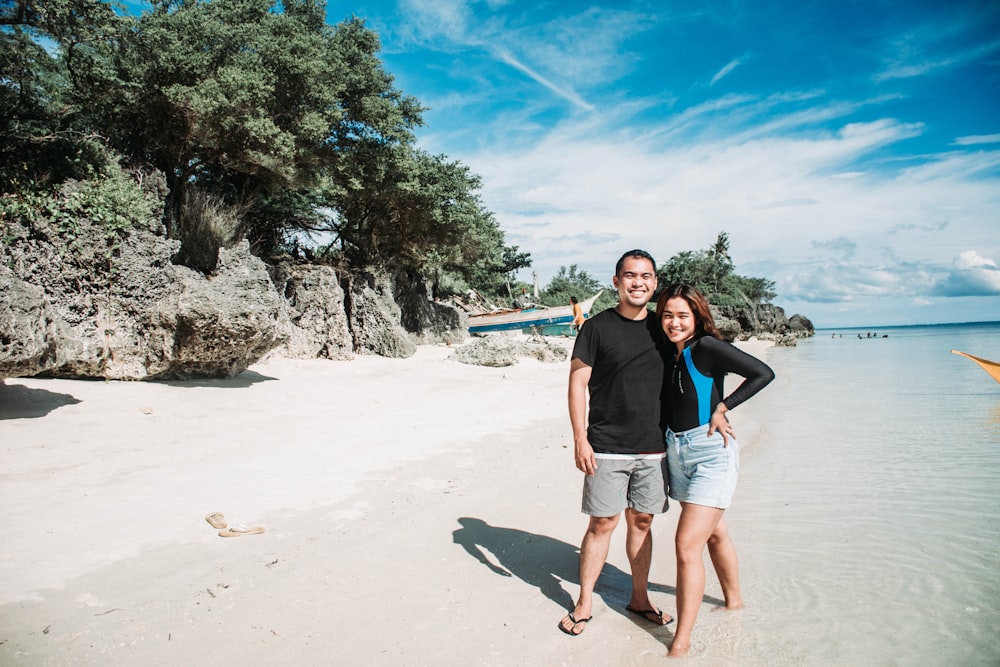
(636, 282)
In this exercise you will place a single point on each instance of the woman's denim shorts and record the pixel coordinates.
(701, 470)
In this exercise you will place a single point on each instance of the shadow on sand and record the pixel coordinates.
(545, 563)
(241, 381)
(20, 402)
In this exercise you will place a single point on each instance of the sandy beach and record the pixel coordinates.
(415, 512)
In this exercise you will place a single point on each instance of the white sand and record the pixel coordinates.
(417, 512)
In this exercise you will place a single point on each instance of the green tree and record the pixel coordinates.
(265, 121)
(243, 99)
(51, 54)
(711, 271)
(570, 282)
(400, 206)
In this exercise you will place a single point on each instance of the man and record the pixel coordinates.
(619, 446)
(577, 314)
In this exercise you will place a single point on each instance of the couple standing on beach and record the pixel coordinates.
(656, 421)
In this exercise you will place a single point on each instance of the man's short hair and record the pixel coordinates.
(638, 254)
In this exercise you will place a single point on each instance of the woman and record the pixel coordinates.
(702, 453)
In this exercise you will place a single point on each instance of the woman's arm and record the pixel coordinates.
(722, 357)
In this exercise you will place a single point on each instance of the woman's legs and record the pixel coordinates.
(727, 565)
(696, 525)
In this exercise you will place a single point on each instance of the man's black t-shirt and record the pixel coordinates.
(625, 382)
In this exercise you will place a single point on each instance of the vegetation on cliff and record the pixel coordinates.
(264, 122)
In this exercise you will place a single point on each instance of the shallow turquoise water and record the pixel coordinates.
(867, 517)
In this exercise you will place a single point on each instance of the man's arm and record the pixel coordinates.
(579, 377)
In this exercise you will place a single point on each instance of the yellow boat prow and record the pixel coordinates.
(991, 367)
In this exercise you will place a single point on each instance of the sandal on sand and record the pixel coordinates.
(575, 622)
(216, 520)
(654, 616)
(238, 530)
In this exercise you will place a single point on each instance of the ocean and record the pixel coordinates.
(866, 517)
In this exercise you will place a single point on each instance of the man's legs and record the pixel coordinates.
(639, 548)
(593, 555)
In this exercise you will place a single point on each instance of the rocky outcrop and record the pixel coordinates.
(801, 326)
(427, 321)
(727, 326)
(317, 326)
(28, 327)
(764, 321)
(129, 314)
(215, 326)
(497, 350)
(375, 318)
(80, 303)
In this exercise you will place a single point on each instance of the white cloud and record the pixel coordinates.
(935, 46)
(725, 71)
(973, 275)
(566, 93)
(797, 207)
(561, 55)
(977, 139)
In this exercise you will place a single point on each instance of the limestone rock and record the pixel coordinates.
(216, 326)
(28, 326)
(499, 351)
(801, 326)
(317, 323)
(374, 317)
(727, 326)
(428, 322)
(126, 313)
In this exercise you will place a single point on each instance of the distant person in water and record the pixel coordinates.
(702, 454)
(577, 314)
(618, 443)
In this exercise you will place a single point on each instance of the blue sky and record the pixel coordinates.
(850, 149)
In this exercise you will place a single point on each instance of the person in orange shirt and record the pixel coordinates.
(577, 314)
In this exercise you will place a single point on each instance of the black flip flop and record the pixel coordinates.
(575, 623)
(658, 613)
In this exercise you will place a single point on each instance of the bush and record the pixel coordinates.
(112, 201)
(206, 224)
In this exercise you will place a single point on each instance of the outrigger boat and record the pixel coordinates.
(537, 317)
(991, 367)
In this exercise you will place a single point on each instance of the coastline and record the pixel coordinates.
(417, 511)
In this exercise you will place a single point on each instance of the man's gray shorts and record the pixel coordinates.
(636, 481)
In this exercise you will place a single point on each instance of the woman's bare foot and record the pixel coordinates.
(678, 651)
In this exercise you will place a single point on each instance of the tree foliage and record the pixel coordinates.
(711, 271)
(255, 106)
(48, 96)
(570, 282)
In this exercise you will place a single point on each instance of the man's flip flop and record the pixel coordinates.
(654, 616)
(216, 520)
(575, 622)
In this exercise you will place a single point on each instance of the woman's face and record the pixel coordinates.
(678, 321)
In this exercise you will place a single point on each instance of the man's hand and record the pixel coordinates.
(583, 453)
(586, 462)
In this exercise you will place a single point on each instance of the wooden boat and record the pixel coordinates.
(515, 319)
(991, 367)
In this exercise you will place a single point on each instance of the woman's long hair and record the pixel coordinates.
(703, 322)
